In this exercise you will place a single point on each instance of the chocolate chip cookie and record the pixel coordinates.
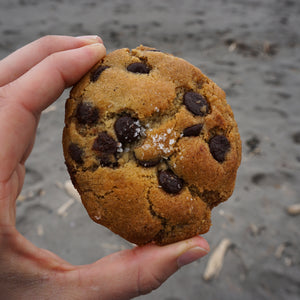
(151, 145)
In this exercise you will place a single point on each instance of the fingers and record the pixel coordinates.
(22, 100)
(22, 60)
(130, 273)
(44, 83)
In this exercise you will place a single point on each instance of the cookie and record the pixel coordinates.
(151, 145)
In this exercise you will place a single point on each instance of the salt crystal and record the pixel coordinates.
(119, 148)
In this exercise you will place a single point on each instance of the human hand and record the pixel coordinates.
(30, 80)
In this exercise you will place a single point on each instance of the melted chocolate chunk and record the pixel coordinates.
(149, 163)
(127, 129)
(96, 74)
(139, 67)
(193, 130)
(170, 182)
(107, 161)
(76, 153)
(219, 146)
(87, 114)
(196, 103)
(104, 143)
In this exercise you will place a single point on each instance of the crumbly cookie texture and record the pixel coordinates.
(151, 145)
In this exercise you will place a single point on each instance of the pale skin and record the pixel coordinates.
(31, 79)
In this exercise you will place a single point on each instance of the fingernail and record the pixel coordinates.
(97, 49)
(190, 256)
(96, 45)
(90, 38)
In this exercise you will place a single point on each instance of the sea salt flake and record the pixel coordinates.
(127, 149)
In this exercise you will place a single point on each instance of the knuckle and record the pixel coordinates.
(54, 60)
(47, 39)
(46, 43)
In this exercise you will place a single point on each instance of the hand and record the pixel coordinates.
(30, 80)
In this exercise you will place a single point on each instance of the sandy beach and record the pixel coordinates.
(249, 48)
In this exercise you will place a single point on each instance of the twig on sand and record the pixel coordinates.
(62, 210)
(215, 262)
(40, 230)
(71, 191)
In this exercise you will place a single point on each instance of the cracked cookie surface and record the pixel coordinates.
(151, 145)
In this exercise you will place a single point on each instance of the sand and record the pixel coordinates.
(252, 50)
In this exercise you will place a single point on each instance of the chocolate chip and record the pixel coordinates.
(96, 74)
(87, 114)
(193, 130)
(219, 146)
(149, 163)
(196, 103)
(104, 143)
(170, 182)
(76, 153)
(139, 67)
(107, 161)
(127, 129)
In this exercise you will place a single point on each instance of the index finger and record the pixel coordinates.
(23, 59)
(43, 84)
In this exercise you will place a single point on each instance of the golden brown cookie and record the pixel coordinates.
(151, 145)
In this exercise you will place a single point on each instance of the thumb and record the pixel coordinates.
(130, 273)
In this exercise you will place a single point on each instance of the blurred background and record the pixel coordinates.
(249, 48)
